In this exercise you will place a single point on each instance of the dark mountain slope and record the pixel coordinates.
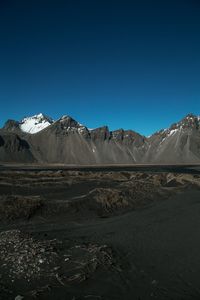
(14, 149)
(180, 143)
(68, 141)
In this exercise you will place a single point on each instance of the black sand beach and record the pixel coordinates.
(100, 234)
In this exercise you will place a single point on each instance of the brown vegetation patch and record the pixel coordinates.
(109, 199)
(19, 207)
(100, 201)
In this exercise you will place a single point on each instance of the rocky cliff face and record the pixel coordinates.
(178, 144)
(13, 148)
(68, 141)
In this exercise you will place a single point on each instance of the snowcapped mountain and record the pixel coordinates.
(39, 138)
(35, 123)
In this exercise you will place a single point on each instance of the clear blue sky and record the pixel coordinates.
(130, 64)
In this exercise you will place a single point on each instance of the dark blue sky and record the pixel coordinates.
(130, 64)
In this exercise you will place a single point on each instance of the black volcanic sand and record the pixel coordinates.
(77, 234)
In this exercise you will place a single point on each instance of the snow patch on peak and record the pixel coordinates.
(72, 122)
(172, 132)
(40, 115)
(64, 117)
(35, 123)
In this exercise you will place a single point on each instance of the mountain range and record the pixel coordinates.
(43, 140)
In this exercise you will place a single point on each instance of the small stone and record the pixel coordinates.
(19, 297)
(66, 259)
(41, 261)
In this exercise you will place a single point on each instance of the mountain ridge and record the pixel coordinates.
(40, 117)
(67, 141)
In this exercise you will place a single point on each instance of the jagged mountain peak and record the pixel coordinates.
(66, 125)
(68, 120)
(36, 123)
(11, 125)
(189, 122)
(191, 116)
(39, 117)
(65, 117)
(101, 133)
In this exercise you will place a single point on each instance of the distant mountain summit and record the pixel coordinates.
(180, 143)
(30, 125)
(35, 123)
(67, 124)
(40, 138)
(189, 122)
